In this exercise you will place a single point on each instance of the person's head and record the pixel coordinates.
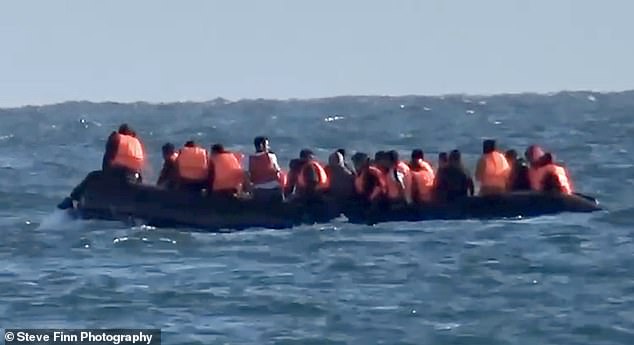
(342, 152)
(533, 153)
(168, 150)
(125, 129)
(306, 154)
(190, 143)
(217, 148)
(488, 146)
(443, 159)
(511, 156)
(455, 158)
(417, 154)
(335, 159)
(392, 157)
(359, 160)
(261, 144)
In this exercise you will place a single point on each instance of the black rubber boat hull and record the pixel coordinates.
(103, 198)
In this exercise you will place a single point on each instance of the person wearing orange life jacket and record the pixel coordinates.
(492, 170)
(369, 180)
(226, 176)
(124, 156)
(168, 177)
(264, 172)
(422, 186)
(192, 166)
(551, 177)
(312, 179)
(398, 178)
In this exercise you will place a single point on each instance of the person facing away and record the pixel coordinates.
(369, 181)
(453, 181)
(398, 178)
(552, 177)
(226, 176)
(422, 185)
(340, 177)
(312, 179)
(168, 178)
(443, 161)
(492, 170)
(295, 165)
(533, 153)
(264, 172)
(124, 155)
(192, 166)
(518, 179)
(345, 162)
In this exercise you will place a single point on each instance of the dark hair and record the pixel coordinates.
(168, 148)
(359, 157)
(488, 146)
(305, 154)
(125, 129)
(511, 155)
(417, 154)
(379, 155)
(259, 141)
(190, 143)
(295, 164)
(343, 152)
(392, 156)
(217, 148)
(454, 156)
(443, 157)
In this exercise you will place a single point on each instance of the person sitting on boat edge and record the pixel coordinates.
(369, 181)
(124, 156)
(454, 181)
(312, 180)
(226, 176)
(422, 185)
(265, 174)
(192, 166)
(492, 170)
(398, 178)
(443, 161)
(340, 177)
(168, 177)
(518, 178)
(345, 162)
(551, 177)
(532, 154)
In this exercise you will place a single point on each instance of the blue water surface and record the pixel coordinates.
(565, 279)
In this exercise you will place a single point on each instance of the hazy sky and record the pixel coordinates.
(52, 51)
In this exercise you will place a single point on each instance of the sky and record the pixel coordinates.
(163, 51)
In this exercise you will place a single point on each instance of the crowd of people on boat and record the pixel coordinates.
(384, 176)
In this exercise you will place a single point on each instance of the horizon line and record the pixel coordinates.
(236, 100)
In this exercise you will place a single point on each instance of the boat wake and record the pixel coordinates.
(58, 220)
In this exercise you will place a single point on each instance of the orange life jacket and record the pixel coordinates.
(394, 190)
(560, 174)
(322, 183)
(228, 173)
(129, 153)
(261, 169)
(360, 180)
(422, 184)
(495, 172)
(192, 164)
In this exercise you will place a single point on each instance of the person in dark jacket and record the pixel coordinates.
(518, 179)
(454, 180)
(341, 178)
(169, 173)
